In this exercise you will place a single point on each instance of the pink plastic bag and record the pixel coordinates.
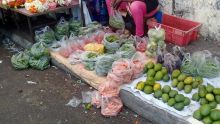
(141, 44)
(137, 64)
(109, 89)
(121, 72)
(111, 106)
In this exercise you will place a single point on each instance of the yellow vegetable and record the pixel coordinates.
(94, 47)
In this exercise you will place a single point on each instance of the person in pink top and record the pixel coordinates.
(138, 9)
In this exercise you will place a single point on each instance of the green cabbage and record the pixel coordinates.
(39, 49)
(20, 60)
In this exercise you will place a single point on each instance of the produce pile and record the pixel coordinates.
(208, 114)
(37, 58)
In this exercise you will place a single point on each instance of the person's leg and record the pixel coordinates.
(138, 10)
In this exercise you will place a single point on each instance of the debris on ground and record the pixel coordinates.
(31, 82)
(74, 102)
(87, 96)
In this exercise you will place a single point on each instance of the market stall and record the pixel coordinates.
(165, 87)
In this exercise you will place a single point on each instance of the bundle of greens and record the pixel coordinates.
(39, 49)
(116, 20)
(74, 26)
(41, 63)
(45, 35)
(62, 29)
(126, 51)
(89, 59)
(201, 63)
(104, 64)
(112, 43)
(20, 60)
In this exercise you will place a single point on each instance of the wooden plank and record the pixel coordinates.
(89, 76)
(25, 12)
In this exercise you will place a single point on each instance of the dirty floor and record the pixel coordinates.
(44, 102)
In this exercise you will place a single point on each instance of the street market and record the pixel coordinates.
(162, 68)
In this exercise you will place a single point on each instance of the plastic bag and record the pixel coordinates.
(41, 63)
(75, 57)
(65, 49)
(111, 43)
(20, 60)
(94, 47)
(62, 29)
(74, 26)
(39, 49)
(141, 44)
(137, 64)
(104, 64)
(121, 72)
(116, 20)
(109, 89)
(45, 35)
(96, 99)
(129, 40)
(156, 34)
(126, 51)
(151, 49)
(55, 46)
(111, 106)
(89, 59)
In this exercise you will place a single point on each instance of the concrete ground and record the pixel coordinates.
(44, 102)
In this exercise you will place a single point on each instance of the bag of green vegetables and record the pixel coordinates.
(62, 29)
(39, 49)
(116, 20)
(41, 63)
(20, 60)
(112, 43)
(74, 26)
(45, 35)
(89, 59)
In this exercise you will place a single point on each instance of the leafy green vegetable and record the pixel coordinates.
(89, 60)
(39, 49)
(111, 43)
(74, 26)
(202, 64)
(126, 51)
(112, 38)
(20, 60)
(116, 21)
(41, 63)
(62, 29)
(45, 35)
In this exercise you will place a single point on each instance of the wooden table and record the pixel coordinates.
(29, 15)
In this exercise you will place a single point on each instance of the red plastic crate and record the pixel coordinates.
(179, 31)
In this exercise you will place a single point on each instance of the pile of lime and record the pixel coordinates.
(149, 86)
(207, 114)
(207, 95)
(156, 71)
(183, 82)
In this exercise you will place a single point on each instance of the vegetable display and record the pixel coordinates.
(45, 35)
(89, 60)
(20, 60)
(62, 29)
(116, 20)
(201, 63)
(39, 49)
(74, 26)
(127, 50)
(104, 64)
(111, 43)
(41, 63)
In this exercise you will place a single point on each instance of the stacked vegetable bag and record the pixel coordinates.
(37, 58)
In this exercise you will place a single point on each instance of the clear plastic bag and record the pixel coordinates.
(75, 57)
(121, 72)
(74, 26)
(20, 60)
(39, 49)
(45, 35)
(65, 49)
(137, 64)
(104, 64)
(41, 63)
(62, 29)
(126, 51)
(116, 20)
(112, 43)
(141, 43)
(96, 99)
(111, 106)
(89, 59)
